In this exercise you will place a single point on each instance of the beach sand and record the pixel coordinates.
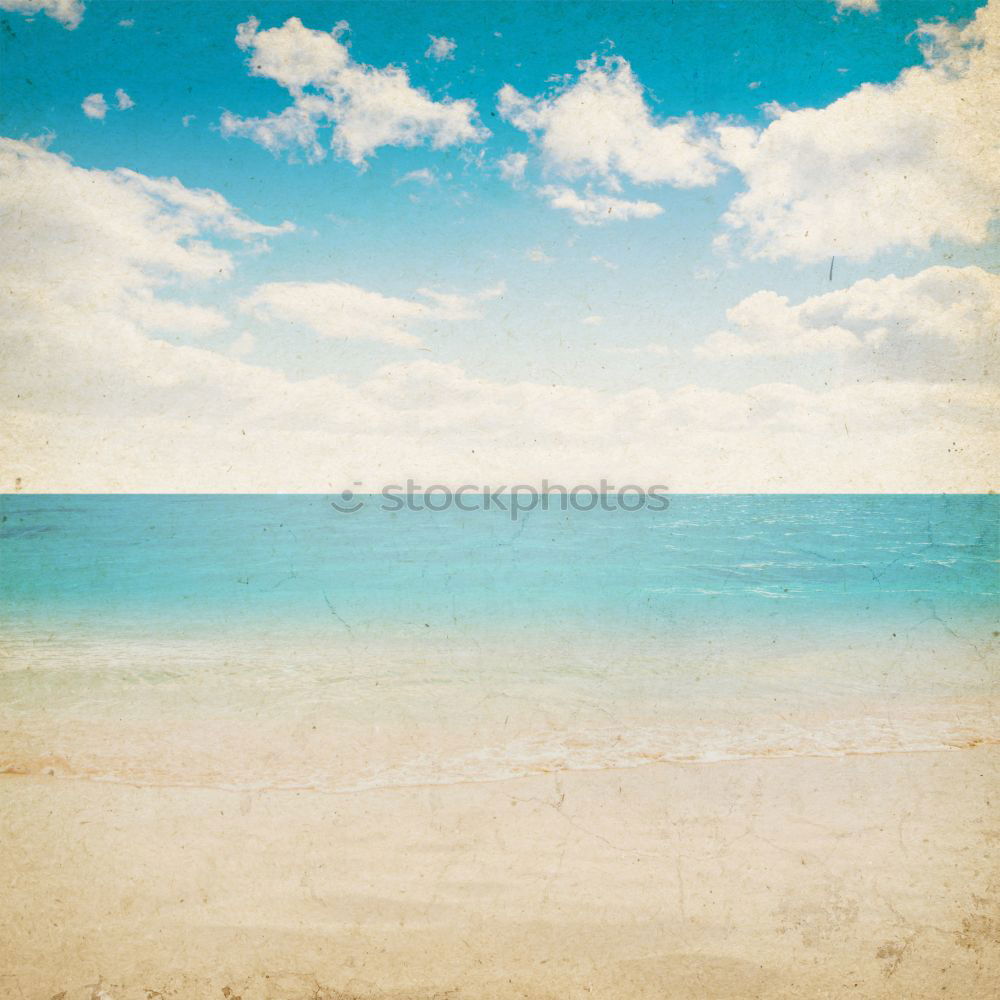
(864, 876)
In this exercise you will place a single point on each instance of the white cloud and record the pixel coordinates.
(657, 350)
(601, 125)
(94, 106)
(366, 107)
(187, 119)
(346, 312)
(865, 6)
(97, 261)
(155, 313)
(592, 320)
(893, 165)
(69, 13)
(441, 48)
(451, 306)
(940, 323)
(96, 265)
(423, 176)
(97, 236)
(609, 264)
(127, 22)
(595, 209)
(198, 208)
(243, 345)
(337, 310)
(253, 430)
(538, 256)
(297, 126)
(512, 167)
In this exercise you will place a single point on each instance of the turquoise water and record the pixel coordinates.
(253, 641)
(270, 561)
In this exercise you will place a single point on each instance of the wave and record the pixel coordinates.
(543, 753)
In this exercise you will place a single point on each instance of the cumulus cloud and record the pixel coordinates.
(163, 205)
(296, 127)
(366, 107)
(344, 312)
(94, 106)
(109, 237)
(97, 265)
(943, 322)
(894, 165)
(69, 13)
(512, 167)
(886, 166)
(865, 6)
(600, 125)
(441, 48)
(591, 209)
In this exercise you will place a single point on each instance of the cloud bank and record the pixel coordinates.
(894, 165)
(942, 323)
(102, 262)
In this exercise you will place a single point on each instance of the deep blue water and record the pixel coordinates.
(771, 562)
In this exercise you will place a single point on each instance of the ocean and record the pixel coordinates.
(263, 641)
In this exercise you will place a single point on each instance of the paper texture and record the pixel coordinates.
(497, 500)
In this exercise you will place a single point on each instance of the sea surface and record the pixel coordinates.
(279, 642)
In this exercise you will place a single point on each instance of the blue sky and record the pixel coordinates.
(614, 307)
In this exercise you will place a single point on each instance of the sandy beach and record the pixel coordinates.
(866, 876)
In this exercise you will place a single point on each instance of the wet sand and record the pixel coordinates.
(862, 876)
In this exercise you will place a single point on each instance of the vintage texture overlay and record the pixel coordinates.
(497, 500)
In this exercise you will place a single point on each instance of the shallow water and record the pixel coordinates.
(268, 641)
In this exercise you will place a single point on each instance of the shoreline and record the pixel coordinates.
(11, 772)
(875, 875)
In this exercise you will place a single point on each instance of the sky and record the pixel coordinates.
(300, 246)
